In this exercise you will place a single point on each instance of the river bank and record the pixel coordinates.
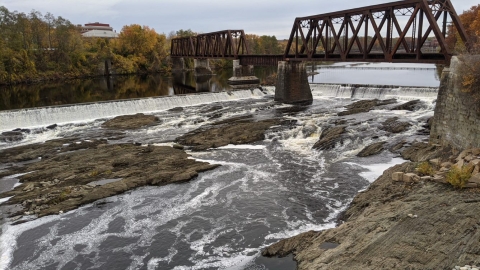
(397, 224)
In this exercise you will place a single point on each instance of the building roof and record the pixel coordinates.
(100, 33)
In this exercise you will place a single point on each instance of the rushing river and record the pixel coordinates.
(222, 219)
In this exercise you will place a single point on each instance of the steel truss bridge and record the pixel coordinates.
(391, 32)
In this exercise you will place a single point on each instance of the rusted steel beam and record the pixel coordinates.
(260, 60)
(221, 44)
(338, 34)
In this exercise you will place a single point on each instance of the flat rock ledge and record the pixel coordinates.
(73, 174)
(365, 106)
(232, 131)
(134, 121)
(395, 225)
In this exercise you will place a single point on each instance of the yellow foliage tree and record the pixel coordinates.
(137, 40)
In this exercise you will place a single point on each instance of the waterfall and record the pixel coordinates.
(373, 91)
(38, 117)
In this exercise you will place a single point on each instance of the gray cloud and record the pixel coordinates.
(266, 17)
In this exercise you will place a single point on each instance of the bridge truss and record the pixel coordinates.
(227, 44)
(392, 32)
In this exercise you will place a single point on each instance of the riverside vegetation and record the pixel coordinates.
(36, 47)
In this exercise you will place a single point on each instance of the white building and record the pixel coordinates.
(97, 29)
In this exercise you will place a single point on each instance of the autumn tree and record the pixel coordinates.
(471, 22)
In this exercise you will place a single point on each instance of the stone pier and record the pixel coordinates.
(202, 67)
(178, 64)
(202, 83)
(243, 76)
(456, 121)
(292, 83)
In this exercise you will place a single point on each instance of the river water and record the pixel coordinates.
(262, 192)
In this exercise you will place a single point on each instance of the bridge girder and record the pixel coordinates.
(352, 35)
(344, 36)
(222, 44)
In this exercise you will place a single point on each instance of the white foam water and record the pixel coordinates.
(38, 117)
(373, 91)
(376, 169)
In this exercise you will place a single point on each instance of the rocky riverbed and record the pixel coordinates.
(61, 175)
(406, 222)
(417, 224)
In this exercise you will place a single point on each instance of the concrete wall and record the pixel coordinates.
(202, 67)
(292, 83)
(456, 121)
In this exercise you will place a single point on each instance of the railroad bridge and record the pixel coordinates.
(392, 32)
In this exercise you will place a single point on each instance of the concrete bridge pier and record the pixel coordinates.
(178, 64)
(202, 83)
(292, 83)
(243, 76)
(202, 67)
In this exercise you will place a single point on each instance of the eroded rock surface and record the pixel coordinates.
(66, 176)
(394, 126)
(365, 106)
(231, 131)
(395, 225)
(130, 121)
(372, 149)
(329, 138)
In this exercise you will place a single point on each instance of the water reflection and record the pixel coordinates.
(82, 90)
(135, 86)
(114, 87)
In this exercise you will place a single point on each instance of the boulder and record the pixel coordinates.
(329, 138)
(372, 149)
(11, 136)
(435, 162)
(29, 187)
(397, 176)
(410, 177)
(394, 126)
(475, 179)
(412, 105)
(446, 165)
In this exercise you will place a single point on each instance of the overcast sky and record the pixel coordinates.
(261, 17)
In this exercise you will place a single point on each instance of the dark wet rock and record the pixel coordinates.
(372, 149)
(228, 132)
(393, 225)
(131, 121)
(54, 126)
(11, 136)
(394, 126)
(176, 109)
(423, 151)
(365, 106)
(329, 138)
(412, 105)
(63, 181)
(395, 148)
(24, 130)
(212, 109)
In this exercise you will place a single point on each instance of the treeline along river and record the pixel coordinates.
(262, 192)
